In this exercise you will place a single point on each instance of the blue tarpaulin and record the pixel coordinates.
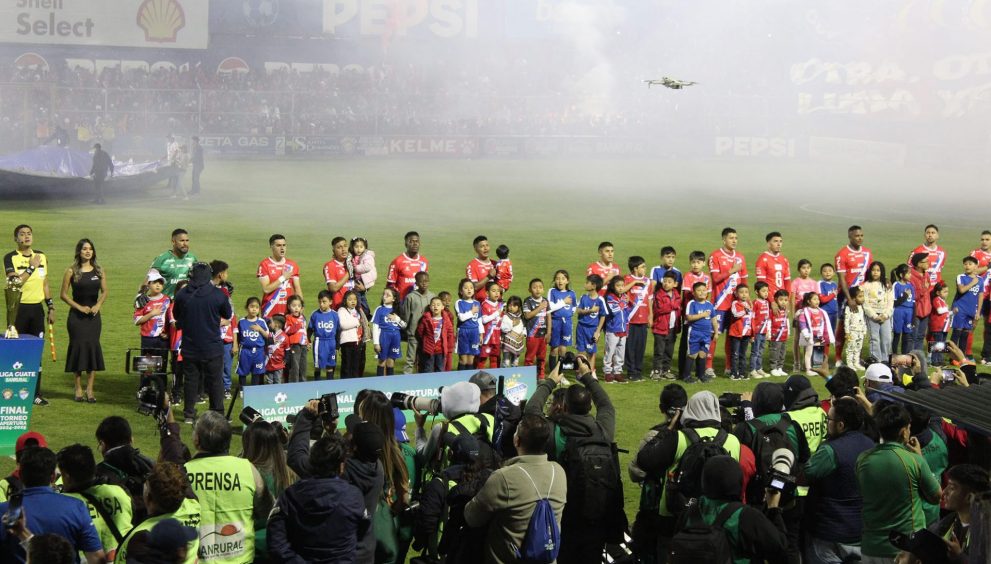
(63, 162)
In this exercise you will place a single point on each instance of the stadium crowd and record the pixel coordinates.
(775, 474)
(98, 106)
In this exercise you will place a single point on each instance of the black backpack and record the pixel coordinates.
(595, 489)
(686, 482)
(766, 440)
(697, 542)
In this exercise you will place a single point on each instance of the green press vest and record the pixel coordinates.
(188, 515)
(225, 486)
(116, 504)
(812, 421)
(732, 446)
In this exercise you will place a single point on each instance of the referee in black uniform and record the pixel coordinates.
(31, 267)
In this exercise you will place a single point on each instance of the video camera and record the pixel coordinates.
(327, 409)
(730, 400)
(415, 403)
(152, 381)
(249, 415)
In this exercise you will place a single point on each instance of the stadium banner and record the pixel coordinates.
(276, 401)
(271, 18)
(176, 24)
(20, 360)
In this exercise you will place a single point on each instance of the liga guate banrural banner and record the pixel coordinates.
(276, 401)
(20, 360)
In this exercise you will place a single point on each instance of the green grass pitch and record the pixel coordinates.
(551, 214)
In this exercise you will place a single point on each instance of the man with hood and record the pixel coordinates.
(753, 534)
(198, 309)
(364, 471)
(582, 538)
(658, 459)
(322, 518)
(459, 404)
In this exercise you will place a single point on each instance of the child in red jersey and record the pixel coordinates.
(446, 299)
(434, 333)
(780, 329)
(504, 268)
(741, 329)
(667, 316)
(491, 321)
(939, 322)
(275, 359)
(295, 370)
(762, 329)
(816, 333)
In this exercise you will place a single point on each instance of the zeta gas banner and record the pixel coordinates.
(276, 401)
(20, 360)
(182, 24)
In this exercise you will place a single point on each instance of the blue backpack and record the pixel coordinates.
(542, 540)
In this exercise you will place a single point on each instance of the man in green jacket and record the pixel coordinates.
(894, 478)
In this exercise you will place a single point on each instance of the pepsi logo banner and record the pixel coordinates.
(180, 24)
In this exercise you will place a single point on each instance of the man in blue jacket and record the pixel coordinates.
(319, 519)
(198, 309)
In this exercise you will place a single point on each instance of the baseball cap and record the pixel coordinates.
(31, 438)
(169, 534)
(400, 425)
(154, 274)
(484, 380)
(878, 372)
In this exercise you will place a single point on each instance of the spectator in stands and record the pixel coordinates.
(196, 159)
(46, 511)
(507, 500)
(893, 479)
(963, 483)
(211, 472)
(834, 503)
(263, 447)
(754, 535)
(582, 538)
(319, 519)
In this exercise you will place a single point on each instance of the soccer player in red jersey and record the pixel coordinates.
(728, 269)
(604, 267)
(983, 256)
(937, 256)
(481, 270)
(279, 278)
(335, 272)
(851, 266)
(772, 267)
(403, 269)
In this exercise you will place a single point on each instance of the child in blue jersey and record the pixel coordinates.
(386, 329)
(828, 290)
(616, 326)
(469, 335)
(968, 302)
(668, 257)
(904, 315)
(591, 312)
(699, 327)
(563, 301)
(322, 333)
(252, 332)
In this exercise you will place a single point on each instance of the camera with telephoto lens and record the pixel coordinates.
(781, 478)
(249, 415)
(415, 403)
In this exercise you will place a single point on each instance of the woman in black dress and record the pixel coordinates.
(88, 281)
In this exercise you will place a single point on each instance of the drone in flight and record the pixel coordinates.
(672, 83)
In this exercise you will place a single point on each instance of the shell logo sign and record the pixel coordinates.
(161, 20)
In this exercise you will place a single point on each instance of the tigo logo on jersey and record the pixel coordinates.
(161, 20)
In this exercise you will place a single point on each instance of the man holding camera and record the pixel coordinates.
(493, 403)
(198, 309)
(893, 479)
(834, 502)
(591, 515)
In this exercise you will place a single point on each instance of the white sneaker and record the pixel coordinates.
(756, 374)
(778, 372)
(763, 374)
(811, 373)
(710, 373)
